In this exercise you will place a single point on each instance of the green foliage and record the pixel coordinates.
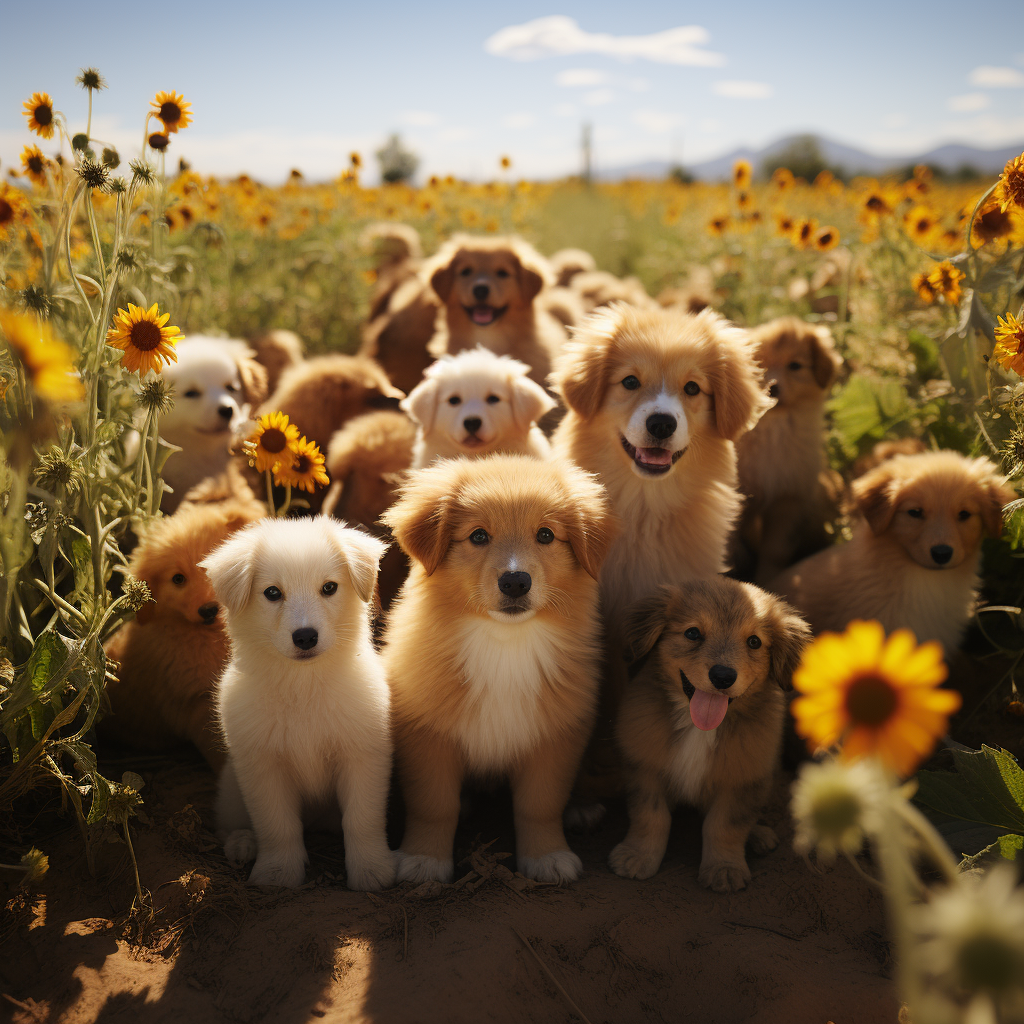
(397, 163)
(803, 157)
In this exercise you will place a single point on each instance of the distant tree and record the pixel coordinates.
(803, 156)
(679, 174)
(396, 162)
(964, 174)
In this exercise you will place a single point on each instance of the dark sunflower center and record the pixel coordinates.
(825, 238)
(303, 466)
(273, 440)
(43, 114)
(874, 203)
(146, 335)
(170, 113)
(870, 701)
(6, 212)
(158, 141)
(35, 164)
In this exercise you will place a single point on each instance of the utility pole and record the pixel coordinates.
(585, 142)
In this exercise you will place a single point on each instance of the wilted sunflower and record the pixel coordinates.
(875, 695)
(826, 238)
(307, 472)
(274, 442)
(39, 111)
(804, 232)
(49, 363)
(173, 109)
(1011, 184)
(945, 279)
(992, 222)
(1009, 350)
(159, 141)
(925, 291)
(140, 333)
(34, 163)
(742, 173)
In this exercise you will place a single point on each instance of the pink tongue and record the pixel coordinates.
(654, 456)
(708, 709)
(482, 314)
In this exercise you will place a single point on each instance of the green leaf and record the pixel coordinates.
(1010, 846)
(49, 666)
(81, 556)
(100, 798)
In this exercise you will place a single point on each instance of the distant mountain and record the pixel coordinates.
(950, 158)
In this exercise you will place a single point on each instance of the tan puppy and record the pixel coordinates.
(567, 263)
(913, 559)
(276, 350)
(172, 655)
(487, 286)
(782, 459)
(493, 650)
(701, 722)
(474, 404)
(397, 252)
(598, 288)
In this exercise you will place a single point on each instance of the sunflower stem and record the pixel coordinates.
(270, 494)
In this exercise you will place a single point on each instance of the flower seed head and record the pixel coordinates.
(111, 158)
(142, 173)
(157, 395)
(94, 175)
(90, 78)
(136, 592)
(80, 141)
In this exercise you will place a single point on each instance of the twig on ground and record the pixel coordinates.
(544, 967)
(763, 928)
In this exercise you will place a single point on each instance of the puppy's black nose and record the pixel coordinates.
(481, 291)
(304, 639)
(208, 612)
(472, 423)
(661, 425)
(721, 676)
(773, 390)
(941, 554)
(225, 411)
(514, 584)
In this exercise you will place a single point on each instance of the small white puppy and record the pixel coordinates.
(216, 381)
(477, 403)
(303, 701)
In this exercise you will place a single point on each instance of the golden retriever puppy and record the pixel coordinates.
(229, 487)
(493, 650)
(563, 304)
(913, 559)
(886, 450)
(701, 721)
(397, 256)
(695, 294)
(173, 653)
(275, 351)
(474, 404)
(598, 288)
(567, 263)
(488, 287)
(303, 701)
(782, 459)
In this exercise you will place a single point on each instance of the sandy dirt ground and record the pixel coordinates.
(797, 947)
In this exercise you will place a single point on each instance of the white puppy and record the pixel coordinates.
(474, 404)
(303, 702)
(215, 380)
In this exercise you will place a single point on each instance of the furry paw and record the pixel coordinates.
(761, 840)
(286, 871)
(724, 877)
(368, 874)
(417, 867)
(630, 862)
(561, 866)
(240, 846)
(583, 817)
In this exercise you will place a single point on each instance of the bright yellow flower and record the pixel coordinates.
(14, 207)
(992, 222)
(925, 291)
(784, 224)
(826, 238)
(308, 471)
(783, 178)
(945, 279)
(920, 223)
(505, 162)
(355, 160)
(173, 109)
(742, 173)
(39, 111)
(1010, 191)
(50, 363)
(34, 164)
(1009, 350)
(274, 442)
(875, 696)
(804, 232)
(718, 226)
(140, 333)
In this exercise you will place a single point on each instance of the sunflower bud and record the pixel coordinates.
(94, 175)
(60, 469)
(126, 259)
(157, 395)
(110, 157)
(118, 187)
(159, 141)
(90, 78)
(80, 141)
(136, 592)
(142, 173)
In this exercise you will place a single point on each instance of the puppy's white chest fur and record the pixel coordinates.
(691, 761)
(505, 666)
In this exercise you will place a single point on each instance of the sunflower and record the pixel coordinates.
(826, 238)
(50, 363)
(804, 232)
(945, 279)
(147, 344)
(782, 178)
(784, 224)
(875, 696)
(824, 180)
(34, 163)
(173, 109)
(1011, 184)
(13, 208)
(991, 223)
(744, 200)
(355, 160)
(39, 111)
(718, 226)
(920, 223)
(924, 288)
(1009, 350)
(275, 441)
(742, 173)
(876, 204)
(159, 141)
(506, 163)
(308, 471)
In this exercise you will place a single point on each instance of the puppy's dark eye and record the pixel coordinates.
(691, 387)
(501, 273)
(795, 366)
(963, 515)
(329, 588)
(917, 513)
(233, 387)
(479, 537)
(493, 399)
(454, 400)
(753, 642)
(693, 633)
(178, 579)
(193, 393)
(465, 271)
(272, 594)
(544, 536)
(631, 383)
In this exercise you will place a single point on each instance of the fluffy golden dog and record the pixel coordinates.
(913, 559)
(397, 256)
(488, 287)
(276, 350)
(493, 649)
(782, 460)
(695, 294)
(567, 263)
(701, 722)
(172, 655)
(598, 288)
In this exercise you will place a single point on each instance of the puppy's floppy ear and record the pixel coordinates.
(362, 554)
(825, 360)
(735, 378)
(255, 380)
(231, 568)
(531, 275)
(591, 524)
(421, 518)
(996, 492)
(442, 279)
(875, 497)
(790, 634)
(647, 620)
(529, 401)
(421, 404)
(581, 370)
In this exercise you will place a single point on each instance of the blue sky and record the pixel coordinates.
(275, 86)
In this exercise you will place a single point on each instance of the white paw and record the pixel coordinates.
(583, 817)
(369, 873)
(288, 871)
(762, 839)
(417, 867)
(560, 866)
(724, 877)
(629, 862)
(240, 846)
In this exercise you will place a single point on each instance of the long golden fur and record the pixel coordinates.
(914, 556)
(489, 678)
(728, 648)
(598, 288)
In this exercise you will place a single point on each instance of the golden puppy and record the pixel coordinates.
(474, 404)
(493, 650)
(701, 722)
(781, 461)
(598, 288)
(567, 263)
(172, 655)
(276, 350)
(695, 294)
(397, 256)
(488, 287)
(913, 559)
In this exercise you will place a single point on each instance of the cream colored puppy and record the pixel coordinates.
(474, 404)
(303, 702)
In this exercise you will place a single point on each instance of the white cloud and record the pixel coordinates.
(565, 110)
(420, 118)
(559, 36)
(638, 85)
(743, 90)
(988, 77)
(656, 121)
(574, 77)
(968, 103)
(599, 97)
(520, 120)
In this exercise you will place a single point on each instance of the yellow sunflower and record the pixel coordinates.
(783, 178)
(355, 160)
(506, 163)
(307, 473)
(1011, 184)
(784, 224)
(945, 279)
(173, 109)
(1009, 350)
(804, 232)
(742, 173)
(140, 333)
(34, 164)
(826, 238)
(39, 111)
(49, 363)
(159, 141)
(275, 441)
(875, 696)
(920, 223)
(718, 226)
(992, 222)
(13, 208)
(924, 288)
